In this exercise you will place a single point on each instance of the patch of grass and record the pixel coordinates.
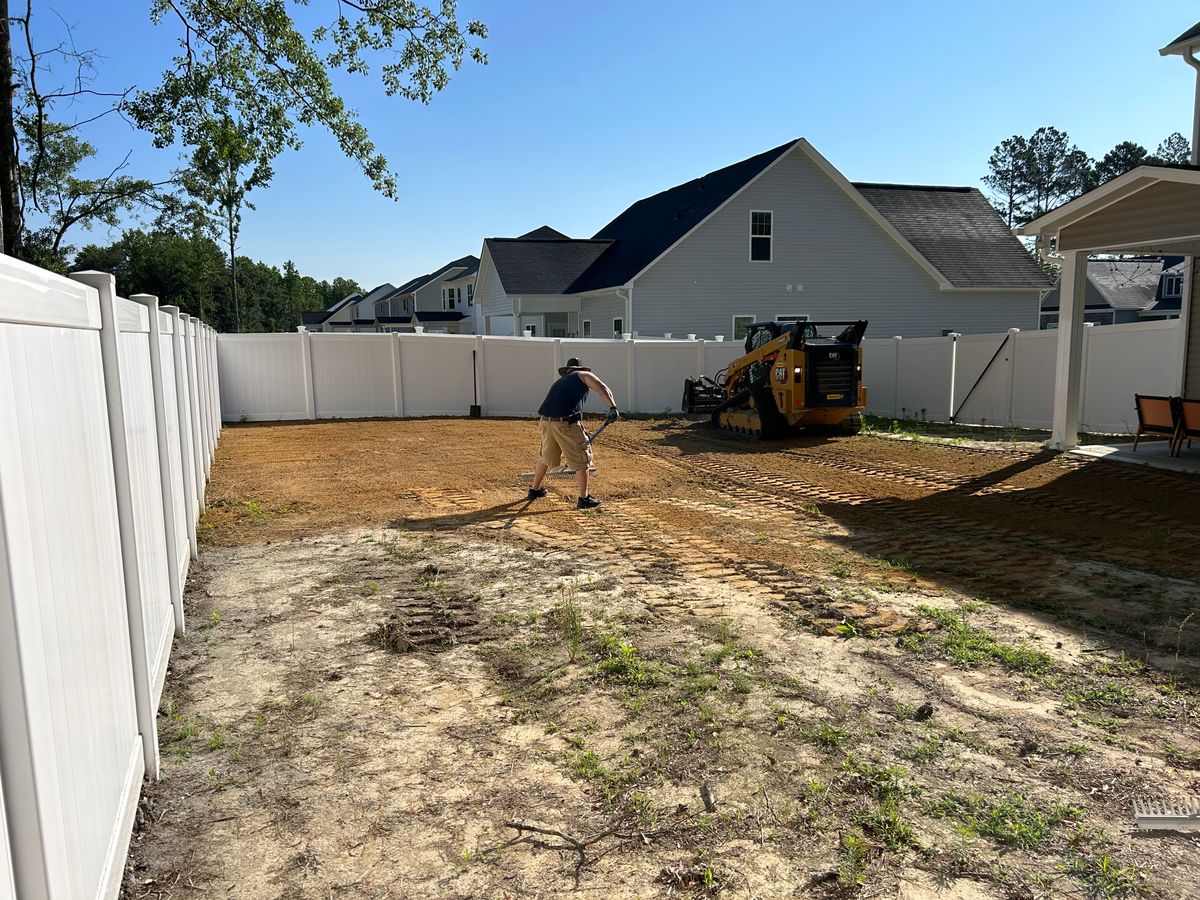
(620, 663)
(1104, 877)
(853, 855)
(968, 646)
(884, 783)
(212, 621)
(216, 740)
(898, 562)
(567, 618)
(1012, 819)
(828, 737)
(587, 765)
(885, 823)
(929, 749)
(256, 511)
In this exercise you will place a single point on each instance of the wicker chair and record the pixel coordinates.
(1158, 415)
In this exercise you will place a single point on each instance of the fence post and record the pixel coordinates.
(202, 398)
(185, 436)
(1012, 376)
(106, 288)
(164, 459)
(630, 373)
(1084, 355)
(306, 368)
(194, 398)
(397, 387)
(896, 381)
(558, 360)
(954, 336)
(700, 361)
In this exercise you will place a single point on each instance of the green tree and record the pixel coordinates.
(1008, 172)
(1119, 160)
(1174, 150)
(1058, 170)
(227, 163)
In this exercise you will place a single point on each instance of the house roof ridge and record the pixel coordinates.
(898, 186)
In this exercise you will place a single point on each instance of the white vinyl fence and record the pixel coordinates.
(1008, 379)
(302, 375)
(109, 415)
(1000, 379)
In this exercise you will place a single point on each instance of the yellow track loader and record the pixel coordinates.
(791, 378)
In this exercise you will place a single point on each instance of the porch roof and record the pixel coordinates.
(1147, 210)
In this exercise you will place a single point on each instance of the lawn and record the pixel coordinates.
(860, 667)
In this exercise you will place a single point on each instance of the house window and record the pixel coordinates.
(1172, 285)
(760, 235)
(791, 318)
(618, 327)
(740, 324)
(587, 328)
(470, 294)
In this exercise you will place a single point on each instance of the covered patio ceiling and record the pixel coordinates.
(1148, 210)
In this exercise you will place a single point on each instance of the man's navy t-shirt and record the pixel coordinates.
(565, 397)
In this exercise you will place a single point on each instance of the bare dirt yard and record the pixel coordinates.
(856, 667)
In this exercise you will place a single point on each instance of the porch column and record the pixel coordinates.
(1068, 376)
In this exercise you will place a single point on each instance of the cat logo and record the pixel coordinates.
(781, 374)
(835, 396)
(835, 355)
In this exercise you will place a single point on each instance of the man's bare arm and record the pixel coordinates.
(599, 387)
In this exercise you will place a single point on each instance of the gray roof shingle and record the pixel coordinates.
(421, 280)
(545, 233)
(1193, 32)
(959, 232)
(1122, 284)
(542, 266)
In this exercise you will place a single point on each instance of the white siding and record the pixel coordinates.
(489, 292)
(602, 309)
(847, 266)
(1191, 383)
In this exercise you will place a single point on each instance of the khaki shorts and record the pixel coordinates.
(565, 439)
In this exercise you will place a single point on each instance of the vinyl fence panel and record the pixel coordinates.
(8, 884)
(1034, 354)
(1140, 358)
(983, 379)
(166, 340)
(141, 437)
(70, 756)
(879, 375)
(659, 370)
(517, 371)
(352, 375)
(435, 374)
(262, 377)
(925, 378)
(610, 360)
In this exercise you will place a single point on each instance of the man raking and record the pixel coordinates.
(561, 423)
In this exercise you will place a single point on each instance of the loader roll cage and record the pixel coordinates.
(851, 333)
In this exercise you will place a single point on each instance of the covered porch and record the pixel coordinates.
(1152, 210)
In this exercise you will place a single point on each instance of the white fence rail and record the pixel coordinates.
(102, 400)
(275, 377)
(1008, 379)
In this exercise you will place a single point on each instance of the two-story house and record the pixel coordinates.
(782, 236)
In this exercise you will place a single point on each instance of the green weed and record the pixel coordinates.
(968, 646)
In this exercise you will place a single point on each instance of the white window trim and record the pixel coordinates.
(792, 317)
(586, 327)
(770, 237)
(734, 320)
(617, 332)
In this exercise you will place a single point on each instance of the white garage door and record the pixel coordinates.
(500, 325)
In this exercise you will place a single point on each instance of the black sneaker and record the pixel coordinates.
(588, 502)
(535, 493)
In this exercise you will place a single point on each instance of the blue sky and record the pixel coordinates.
(585, 107)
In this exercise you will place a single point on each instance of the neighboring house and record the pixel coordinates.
(1131, 289)
(781, 235)
(449, 292)
(450, 289)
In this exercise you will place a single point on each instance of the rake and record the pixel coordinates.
(564, 471)
(1167, 814)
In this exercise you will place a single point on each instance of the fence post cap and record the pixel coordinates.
(1014, 330)
(144, 299)
(897, 337)
(691, 337)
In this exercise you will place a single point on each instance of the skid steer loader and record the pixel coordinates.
(791, 379)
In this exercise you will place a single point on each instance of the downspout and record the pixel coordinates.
(628, 308)
(1185, 306)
